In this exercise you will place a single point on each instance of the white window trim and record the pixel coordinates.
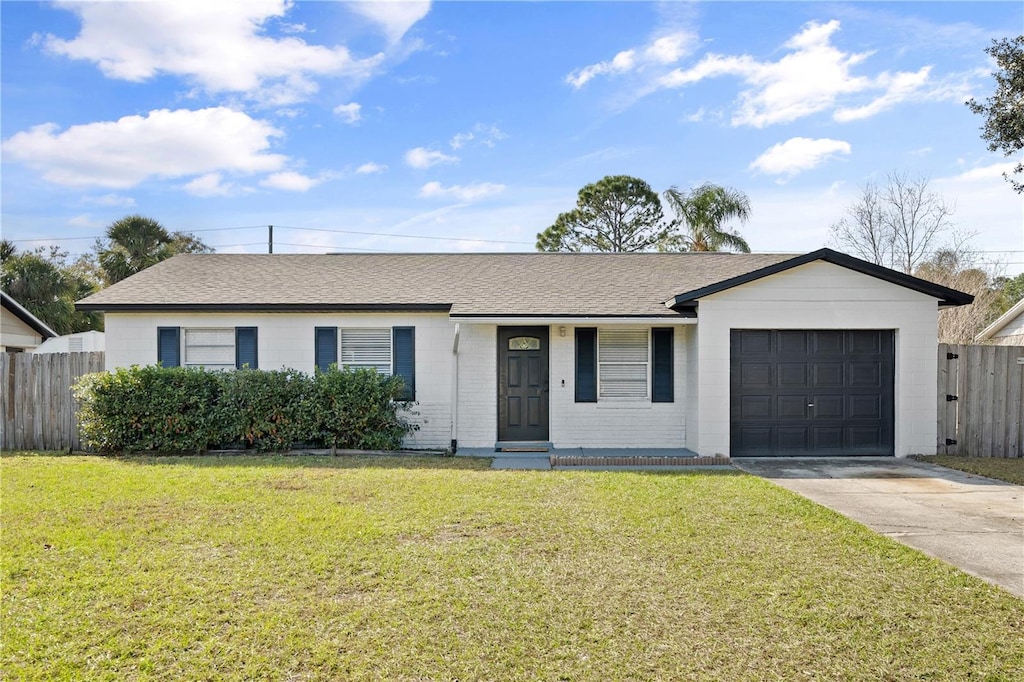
(384, 332)
(185, 346)
(633, 400)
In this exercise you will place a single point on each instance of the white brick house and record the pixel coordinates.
(820, 354)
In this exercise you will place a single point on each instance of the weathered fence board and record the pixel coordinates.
(38, 410)
(987, 418)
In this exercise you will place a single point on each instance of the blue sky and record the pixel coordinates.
(472, 125)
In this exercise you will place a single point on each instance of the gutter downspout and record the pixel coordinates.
(455, 391)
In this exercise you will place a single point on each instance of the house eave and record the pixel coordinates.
(576, 320)
(264, 307)
(23, 314)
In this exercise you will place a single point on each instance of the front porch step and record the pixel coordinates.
(522, 446)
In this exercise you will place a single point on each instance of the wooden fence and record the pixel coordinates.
(981, 400)
(39, 412)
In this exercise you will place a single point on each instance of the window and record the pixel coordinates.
(226, 348)
(624, 365)
(369, 348)
(210, 348)
(388, 350)
(622, 359)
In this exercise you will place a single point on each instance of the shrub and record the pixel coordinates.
(358, 409)
(263, 408)
(149, 408)
(174, 409)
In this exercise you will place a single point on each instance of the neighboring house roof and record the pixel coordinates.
(25, 316)
(1012, 314)
(467, 285)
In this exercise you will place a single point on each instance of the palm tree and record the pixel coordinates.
(701, 212)
(135, 243)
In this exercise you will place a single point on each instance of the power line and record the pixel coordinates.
(403, 236)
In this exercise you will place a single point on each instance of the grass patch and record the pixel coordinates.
(242, 568)
(1001, 468)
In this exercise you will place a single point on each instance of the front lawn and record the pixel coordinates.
(1001, 468)
(245, 568)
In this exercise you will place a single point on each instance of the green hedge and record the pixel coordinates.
(174, 409)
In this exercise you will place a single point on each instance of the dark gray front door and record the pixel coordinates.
(812, 393)
(522, 383)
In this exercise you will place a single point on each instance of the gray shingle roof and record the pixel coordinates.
(524, 284)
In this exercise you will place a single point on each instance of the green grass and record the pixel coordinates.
(1003, 469)
(243, 568)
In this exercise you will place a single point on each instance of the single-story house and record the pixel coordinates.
(1007, 330)
(78, 342)
(723, 354)
(20, 330)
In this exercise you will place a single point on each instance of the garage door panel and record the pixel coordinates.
(756, 374)
(756, 407)
(792, 343)
(812, 392)
(829, 406)
(828, 374)
(792, 407)
(792, 374)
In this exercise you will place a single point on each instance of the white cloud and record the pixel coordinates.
(811, 78)
(110, 200)
(667, 49)
(484, 135)
(990, 172)
(211, 185)
(350, 113)
(83, 220)
(798, 154)
(395, 17)
(370, 168)
(421, 157)
(290, 181)
(467, 193)
(219, 46)
(898, 88)
(162, 144)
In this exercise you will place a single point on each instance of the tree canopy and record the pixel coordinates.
(701, 212)
(135, 243)
(1004, 110)
(47, 285)
(615, 214)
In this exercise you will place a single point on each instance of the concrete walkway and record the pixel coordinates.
(971, 522)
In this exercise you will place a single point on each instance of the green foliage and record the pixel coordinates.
(702, 211)
(136, 242)
(1010, 290)
(616, 213)
(356, 409)
(167, 409)
(1004, 110)
(47, 285)
(263, 408)
(176, 409)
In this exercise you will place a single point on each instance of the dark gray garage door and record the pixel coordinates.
(811, 393)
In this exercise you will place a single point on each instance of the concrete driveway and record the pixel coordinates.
(971, 522)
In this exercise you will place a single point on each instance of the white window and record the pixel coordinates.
(622, 363)
(210, 348)
(367, 348)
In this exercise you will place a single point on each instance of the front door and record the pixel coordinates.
(522, 383)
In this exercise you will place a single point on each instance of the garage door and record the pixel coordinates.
(811, 393)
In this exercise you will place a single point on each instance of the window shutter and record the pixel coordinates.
(168, 346)
(326, 347)
(404, 359)
(662, 389)
(586, 365)
(245, 348)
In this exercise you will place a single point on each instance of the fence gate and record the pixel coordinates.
(38, 410)
(981, 400)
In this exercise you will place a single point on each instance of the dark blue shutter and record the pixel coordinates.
(661, 391)
(586, 365)
(326, 347)
(403, 354)
(245, 348)
(168, 346)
